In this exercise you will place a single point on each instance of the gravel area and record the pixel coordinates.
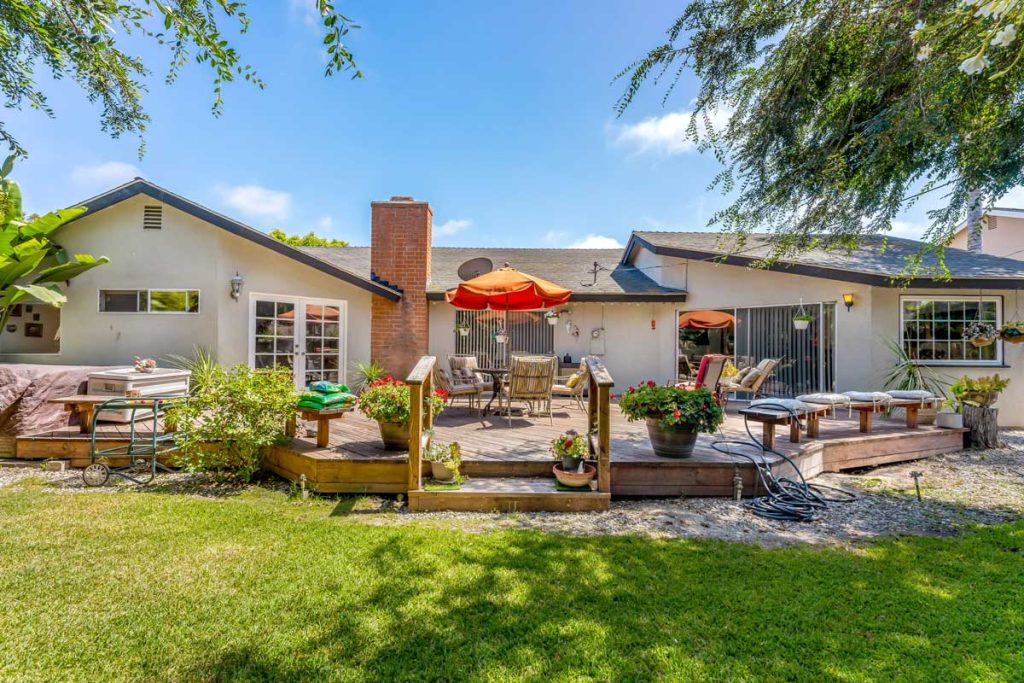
(958, 490)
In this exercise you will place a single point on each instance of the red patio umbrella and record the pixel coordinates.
(506, 289)
(706, 320)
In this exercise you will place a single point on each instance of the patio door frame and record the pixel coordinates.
(299, 355)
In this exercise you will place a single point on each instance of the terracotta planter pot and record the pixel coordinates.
(441, 473)
(395, 435)
(676, 442)
(574, 479)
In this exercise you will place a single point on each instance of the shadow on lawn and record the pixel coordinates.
(541, 607)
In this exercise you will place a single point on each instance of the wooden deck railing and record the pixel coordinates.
(421, 417)
(599, 420)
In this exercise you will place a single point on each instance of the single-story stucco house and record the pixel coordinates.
(183, 275)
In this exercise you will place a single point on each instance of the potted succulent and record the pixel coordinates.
(572, 449)
(462, 329)
(802, 321)
(674, 416)
(981, 334)
(551, 317)
(387, 401)
(979, 391)
(1012, 331)
(445, 460)
(948, 417)
(906, 374)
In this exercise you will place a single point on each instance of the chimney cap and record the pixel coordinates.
(402, 198)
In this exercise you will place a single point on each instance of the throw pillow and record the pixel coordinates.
(749, 379)
(573, 380)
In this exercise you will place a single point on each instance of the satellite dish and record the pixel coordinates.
(474, 267)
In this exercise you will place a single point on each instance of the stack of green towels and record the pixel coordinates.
(326, 396)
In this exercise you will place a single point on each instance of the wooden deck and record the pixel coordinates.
(355, 461)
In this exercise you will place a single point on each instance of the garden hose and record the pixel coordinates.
(785, 499)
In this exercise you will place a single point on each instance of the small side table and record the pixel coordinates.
(323, 422)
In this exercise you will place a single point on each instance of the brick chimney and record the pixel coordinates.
(400, 257)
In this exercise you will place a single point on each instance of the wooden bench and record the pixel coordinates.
(85, 406)
(323, 421)
(910, 405)
(770, 417)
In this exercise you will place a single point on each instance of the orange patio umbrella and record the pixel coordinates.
(506, 289)
(706, 320)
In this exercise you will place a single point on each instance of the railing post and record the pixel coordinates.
(419, 381)
(599, 419)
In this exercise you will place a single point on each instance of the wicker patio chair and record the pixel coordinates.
(460, 362)
(529, 380)
(752, 380)
(471, 391)
(566, 387)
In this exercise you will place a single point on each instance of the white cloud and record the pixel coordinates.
(596, 242)
(324, 223)
(305, 10)
(103, 176)
(452, 227)
(555, 238)
(907, 229)
(257, 201)
(668, 134)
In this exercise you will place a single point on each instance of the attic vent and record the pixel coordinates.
(152, 217)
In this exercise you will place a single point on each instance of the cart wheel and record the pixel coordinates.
(142, 471)
(96, 474)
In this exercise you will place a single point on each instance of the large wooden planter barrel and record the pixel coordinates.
(675, 442)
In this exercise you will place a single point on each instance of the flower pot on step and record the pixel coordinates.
(441, 473)
(949, 420)
(395, 435)
(570, 464)
(673, 442)
(574, 479)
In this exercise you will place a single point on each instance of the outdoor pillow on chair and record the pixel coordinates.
(780, 403)
(868, 396)
(915, 394)
(825, 399)
(573, 380)
(749, 379)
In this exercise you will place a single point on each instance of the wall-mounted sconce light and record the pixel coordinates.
(848, 300)
(236, 286)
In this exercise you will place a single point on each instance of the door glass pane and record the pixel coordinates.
(265, 309)
(322, 343)
(275, 333)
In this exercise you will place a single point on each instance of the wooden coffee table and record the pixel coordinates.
(323, 422)
(769, 417)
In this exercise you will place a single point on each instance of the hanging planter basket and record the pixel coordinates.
(552, 319)
(1012, 332)
(981, 334)
(501, 338)
(801, 323)
(983, 340)
(463, 331)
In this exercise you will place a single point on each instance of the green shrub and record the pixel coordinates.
(233, 418)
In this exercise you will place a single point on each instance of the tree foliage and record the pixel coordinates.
(83, 40)
(32, 266)
(310, 239)
(842, 113)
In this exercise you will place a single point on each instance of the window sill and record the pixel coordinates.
(964, 365)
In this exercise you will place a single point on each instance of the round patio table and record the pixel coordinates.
(496, 375)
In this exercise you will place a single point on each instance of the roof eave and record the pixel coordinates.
(140, 186)
(606, 297)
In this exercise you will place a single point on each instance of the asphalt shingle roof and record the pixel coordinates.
(868, 259)
(572, 268)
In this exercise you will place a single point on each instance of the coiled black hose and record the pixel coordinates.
(785, 499)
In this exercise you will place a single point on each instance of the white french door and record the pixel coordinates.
(304, 335)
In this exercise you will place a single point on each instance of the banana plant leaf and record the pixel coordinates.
(44, 225)
(72, 269)
(47, 295)
(17, 269)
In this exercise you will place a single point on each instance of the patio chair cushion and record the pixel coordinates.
(751, 377)
(573, 380)
(467, 375)
(738, 379)
(915, 394)
(463, 389)
(562, 390)
(825, 399)
(786, 403)
(868, 396)
(763, 365)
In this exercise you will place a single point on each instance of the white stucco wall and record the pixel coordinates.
(633, 351)
(185, 253)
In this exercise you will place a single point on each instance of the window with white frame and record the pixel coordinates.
(149, 301)
(932, 329)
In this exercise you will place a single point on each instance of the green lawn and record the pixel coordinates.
(257, 587)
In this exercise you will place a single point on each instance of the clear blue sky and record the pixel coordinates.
(499, 114)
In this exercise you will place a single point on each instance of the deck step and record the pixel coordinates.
(509, 494)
